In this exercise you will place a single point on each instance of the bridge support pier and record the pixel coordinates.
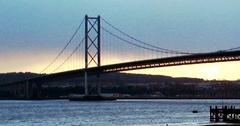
(92, 58)
(86, 83)
(98, 84)
(32, 90)
(17, 91)
(39, 90)
(92, 52)
(27, 90)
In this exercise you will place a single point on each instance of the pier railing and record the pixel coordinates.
(224, 114)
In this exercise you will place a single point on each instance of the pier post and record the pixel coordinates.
(226, 114)
(216, 114)
(211, 114)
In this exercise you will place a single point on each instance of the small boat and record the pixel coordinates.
(194, 111)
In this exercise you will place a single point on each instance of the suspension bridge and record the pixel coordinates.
(98, 47)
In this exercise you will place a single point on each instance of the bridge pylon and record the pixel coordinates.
(92, 52)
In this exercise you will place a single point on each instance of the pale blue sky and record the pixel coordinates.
(37, 26)
(202, 24)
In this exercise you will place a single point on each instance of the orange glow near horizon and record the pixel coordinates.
(210, 71)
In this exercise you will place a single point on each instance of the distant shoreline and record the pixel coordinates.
(139, 98)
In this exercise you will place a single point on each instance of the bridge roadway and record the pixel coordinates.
(220, 56)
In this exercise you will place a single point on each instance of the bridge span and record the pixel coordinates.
(91, 39)
(221, 56)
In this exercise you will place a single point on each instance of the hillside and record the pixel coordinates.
(136, 86)
(12, 77)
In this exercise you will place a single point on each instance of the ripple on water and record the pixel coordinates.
(110, 113)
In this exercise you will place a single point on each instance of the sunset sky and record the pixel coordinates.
(33, 32)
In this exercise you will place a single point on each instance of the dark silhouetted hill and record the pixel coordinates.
(12, 77)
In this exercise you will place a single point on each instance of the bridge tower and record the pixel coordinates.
(92, 52)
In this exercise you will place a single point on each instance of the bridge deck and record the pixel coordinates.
(221, 56)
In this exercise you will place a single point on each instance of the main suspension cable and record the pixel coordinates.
(153, 46)
(134, 44)
(64, 48)
(76, 49)
(235, 48)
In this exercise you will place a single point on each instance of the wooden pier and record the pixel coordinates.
(228, 114)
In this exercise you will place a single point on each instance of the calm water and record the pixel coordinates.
(110, 113)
